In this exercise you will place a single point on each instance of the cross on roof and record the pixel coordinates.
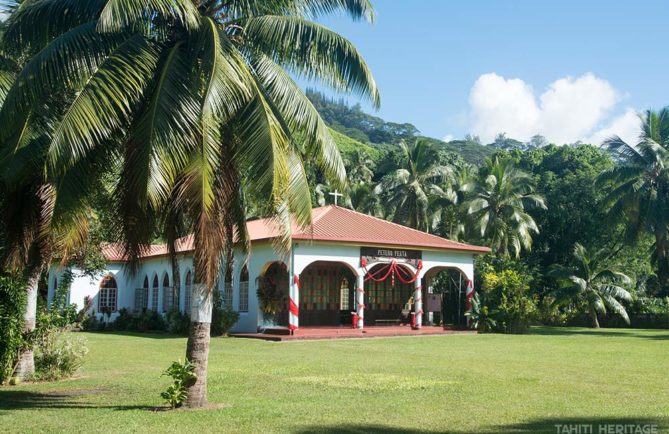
(336, 195)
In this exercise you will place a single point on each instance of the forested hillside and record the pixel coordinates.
(352, 122)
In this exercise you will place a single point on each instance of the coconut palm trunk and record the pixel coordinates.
(593, 318)
(25, 367)
(197, 347)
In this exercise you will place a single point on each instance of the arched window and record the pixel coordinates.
(142, 296)
(244, 290)
(107, 295)
(167, 293)
(227, 288)
(154, 293)
(189, 291)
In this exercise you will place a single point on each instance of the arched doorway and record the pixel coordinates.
(451, 285)
(327, 294)
(273, 292)
(389, 294)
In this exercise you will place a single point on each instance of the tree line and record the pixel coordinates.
(586, 224)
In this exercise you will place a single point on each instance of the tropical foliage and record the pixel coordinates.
(640, 186)
(407, 190)
(498, 207)
(589, 283)
(187, 107)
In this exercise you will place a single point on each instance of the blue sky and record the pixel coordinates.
(571, 70)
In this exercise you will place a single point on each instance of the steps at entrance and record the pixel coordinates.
(282, 331)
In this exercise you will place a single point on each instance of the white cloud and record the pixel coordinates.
(627, 126)
(448, 137)
(569, 110)
(500, 105)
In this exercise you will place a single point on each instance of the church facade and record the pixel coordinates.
(346, 269)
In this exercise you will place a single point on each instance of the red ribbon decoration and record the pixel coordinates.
(393, 269)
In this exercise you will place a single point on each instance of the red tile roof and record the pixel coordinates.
(329, 223)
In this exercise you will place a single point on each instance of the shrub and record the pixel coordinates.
(125, 320)
(182, 375)
(91, 323)
(649, 305)
(506, 293)
(223, 318)
(58, 355)
(550, 313)
(177, 322)
(12, 304)
(480, 316)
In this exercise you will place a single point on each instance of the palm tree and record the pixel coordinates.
(497, 207)
(360, 167)
(34, 221)
(190, 106)
(407, 190)
(640, 186)
(448, 217)
(591, 283)
(363, 199)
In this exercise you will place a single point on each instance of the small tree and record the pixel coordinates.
(589, 283)
(506, 293)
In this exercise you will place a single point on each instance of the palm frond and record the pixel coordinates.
(301, 117)
(104, 104)
(55, 17)
(118, 15)
(313, 52)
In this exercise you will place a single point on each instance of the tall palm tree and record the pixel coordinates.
(407, 189)
(497, 207)
(35, 221)
(448, 216)
(640, 185)
(591, 283)
(190, 105)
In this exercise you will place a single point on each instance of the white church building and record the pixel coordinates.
(344, 265)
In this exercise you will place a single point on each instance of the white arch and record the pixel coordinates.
(439, 268)
(352, 269)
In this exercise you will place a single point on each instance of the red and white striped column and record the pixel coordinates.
(294, 304)
(418, 300)
(360, 300)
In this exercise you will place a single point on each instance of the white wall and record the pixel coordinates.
(262, 254)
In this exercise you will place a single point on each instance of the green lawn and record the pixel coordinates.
(458, 383)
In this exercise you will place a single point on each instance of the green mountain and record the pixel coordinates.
(352, 128)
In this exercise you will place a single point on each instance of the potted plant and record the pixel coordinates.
(271, 297)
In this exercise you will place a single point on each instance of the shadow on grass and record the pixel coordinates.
(549, 425)
(23, 399)
(148, 335)
(660, 335)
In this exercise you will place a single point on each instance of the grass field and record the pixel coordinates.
(457, 383)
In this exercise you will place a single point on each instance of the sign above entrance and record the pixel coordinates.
(375, 254)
